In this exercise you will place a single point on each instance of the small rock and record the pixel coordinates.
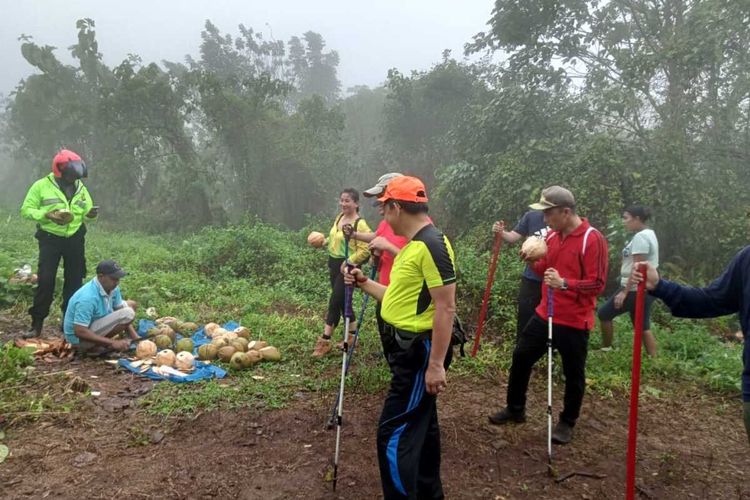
(500, 444)
(84, 459)
(156, 437)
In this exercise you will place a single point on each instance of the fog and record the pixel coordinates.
(370, 37)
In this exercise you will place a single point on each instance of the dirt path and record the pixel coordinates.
(691, 445)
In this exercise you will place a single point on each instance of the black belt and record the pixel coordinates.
(405, 338)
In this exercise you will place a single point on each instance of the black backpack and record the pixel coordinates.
(458, 336)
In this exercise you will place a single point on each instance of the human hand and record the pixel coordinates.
(93, 212)
(434, 379)
(498, 227)
(348, 230)
(121, 345)
(651, 275)
(620, 298)
(552, 278)
(54, 216)
(354, 276)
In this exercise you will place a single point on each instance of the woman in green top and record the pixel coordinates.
(358, 254)
(643, 247)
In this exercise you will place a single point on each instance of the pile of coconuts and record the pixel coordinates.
(236, 347)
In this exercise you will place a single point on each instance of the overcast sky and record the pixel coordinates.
(371, 37)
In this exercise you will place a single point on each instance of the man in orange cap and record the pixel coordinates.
(418, 307)
(58, 203)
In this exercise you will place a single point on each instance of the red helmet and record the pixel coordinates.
(70, 162)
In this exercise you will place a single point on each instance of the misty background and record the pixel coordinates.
(196, 114)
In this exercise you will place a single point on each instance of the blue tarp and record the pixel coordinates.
(202, 370)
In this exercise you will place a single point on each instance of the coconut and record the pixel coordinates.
(153, 332)
(168, 331)
(253, 357)
(270, 353)
(189, 327)
(238, 361)
(220, 332)
(219, 342)
(534, 248)
(257, 345)
(239, 345)
(184, 345)
(65, 215)
(230, 336)
(208, 351)
(165, 357)
(184, 361)
(243, 332)
(316, 239)
(225, 353)
(163, 342)
(210, 328)
(145, 349)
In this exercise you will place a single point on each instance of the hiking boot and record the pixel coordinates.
(563, 433)
(34, 331)
(322, 347)
(505, 416)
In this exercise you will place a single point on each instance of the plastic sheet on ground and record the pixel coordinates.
(202, 370)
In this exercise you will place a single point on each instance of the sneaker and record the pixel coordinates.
(322, 347)
(563, 433)
(506, 416)
(605, 349)
(349, 340)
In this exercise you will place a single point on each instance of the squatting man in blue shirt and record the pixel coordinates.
(97, 313)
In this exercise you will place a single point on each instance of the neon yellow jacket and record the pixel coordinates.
(45, 195)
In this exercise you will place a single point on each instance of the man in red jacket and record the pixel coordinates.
(575, 269)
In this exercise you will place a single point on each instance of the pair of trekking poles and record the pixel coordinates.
(635, 371)
(337, 412)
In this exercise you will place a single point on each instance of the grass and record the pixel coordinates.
(270, 281)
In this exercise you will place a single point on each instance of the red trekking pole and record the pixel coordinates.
(487, 289)
(635, 387)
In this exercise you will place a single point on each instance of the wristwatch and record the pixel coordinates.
(564, 285)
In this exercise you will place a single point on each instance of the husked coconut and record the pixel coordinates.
(253, 356)
(316, 239)
(534, 248)
(208, 351)
(270, 353)
(257, 345)
(145, 349)
(210, 328)
(240, 344)
(184, 361)
(230, 336)
(242, 331)
(165, 357)
(225, 353)
(236, 361)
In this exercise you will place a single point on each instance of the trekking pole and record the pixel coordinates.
(487, 290)
(355, 336)
(550, 313)
(348, 291)
(635, 387)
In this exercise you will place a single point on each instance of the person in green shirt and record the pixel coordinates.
(59, 203)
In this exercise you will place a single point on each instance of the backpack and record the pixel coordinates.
(458, 336)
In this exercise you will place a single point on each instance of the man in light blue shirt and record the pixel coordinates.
(96, 313)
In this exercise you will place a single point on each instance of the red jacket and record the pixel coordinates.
(581, 258)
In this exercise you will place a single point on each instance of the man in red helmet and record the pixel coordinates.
(59, 203)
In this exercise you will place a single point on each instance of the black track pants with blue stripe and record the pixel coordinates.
(408, 432)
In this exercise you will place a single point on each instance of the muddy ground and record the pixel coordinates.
(691, 445)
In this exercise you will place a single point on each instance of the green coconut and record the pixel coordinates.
(184, 345)
(208, 351)
(225, 353)
(189, 327)
(220, 342)
(163, 341)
